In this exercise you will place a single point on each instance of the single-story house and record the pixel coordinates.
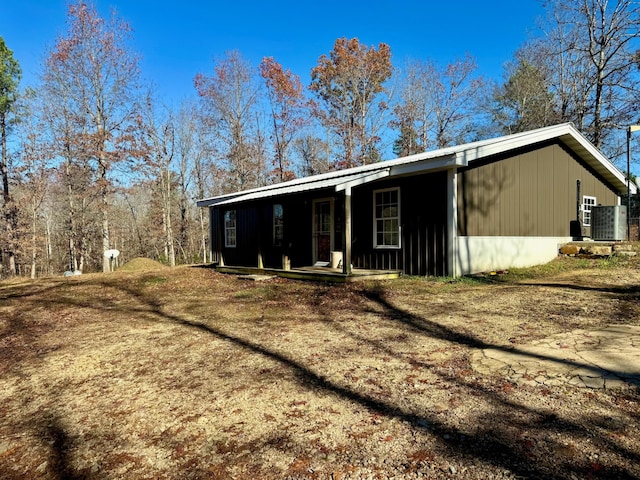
(488, 205)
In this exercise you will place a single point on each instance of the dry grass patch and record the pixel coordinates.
(186, 373)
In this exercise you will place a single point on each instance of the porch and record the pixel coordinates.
(315, 274)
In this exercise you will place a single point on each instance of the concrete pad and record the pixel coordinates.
(604, 358)
(256, 278)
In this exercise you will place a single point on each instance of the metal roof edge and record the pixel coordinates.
(485, 148)
(561, 131)
(208, 202)
(363, 178)
(444, 162)
(462, 155)
(604, 161)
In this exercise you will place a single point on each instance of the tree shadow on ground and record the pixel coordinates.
(483, 445)
(487, 444)
(437, 330)
(61, 445)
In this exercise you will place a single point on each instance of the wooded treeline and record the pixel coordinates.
(92, 160)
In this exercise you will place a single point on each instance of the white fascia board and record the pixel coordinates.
(287, 189)
(443, 159)
(297, 184)
(333, 178)
(428, 165)
(209, 202)
(487, 148)
(605, 163)
(362, 179)
(565, 132)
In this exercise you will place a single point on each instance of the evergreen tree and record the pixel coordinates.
(10, 74)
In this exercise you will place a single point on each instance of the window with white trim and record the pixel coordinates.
(278, 225)
(587, 203)
(230, 228)
(386, 218)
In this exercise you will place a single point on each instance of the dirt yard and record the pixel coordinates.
(187, 373)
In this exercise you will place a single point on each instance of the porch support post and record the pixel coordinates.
(259, 227)
(452, 223)
(215, 236)
(346, 239)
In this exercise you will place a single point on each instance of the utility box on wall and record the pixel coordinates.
(609, 223)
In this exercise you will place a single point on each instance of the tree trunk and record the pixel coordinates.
(10, 212)
(48, 247)
(34, 246)
(73, 259)
(104, 206)
(106, 268)
(165, 231)
(168, 230)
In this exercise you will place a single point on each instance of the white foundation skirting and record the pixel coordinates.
(485, 254)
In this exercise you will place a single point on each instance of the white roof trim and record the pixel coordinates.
(362, 179)
(565, 132)
(286, 188)
(445, 158)
(429, 165)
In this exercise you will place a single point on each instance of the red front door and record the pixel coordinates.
(322, 230)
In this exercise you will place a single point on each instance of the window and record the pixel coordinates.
(278, 225)
(386, 222)
(230, 228)
(587, 203)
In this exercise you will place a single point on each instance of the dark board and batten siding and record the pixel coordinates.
(254, 231)
(423, 219)
(532, 193)
(245, 251)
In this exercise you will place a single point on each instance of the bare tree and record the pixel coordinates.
(159, 152)
(436, 106)
(230, 98)
(95, 76)
(64, 130)
(195, 173)
(188, 155)
(592, 46)
(288, 112)
(34, 178)
(314, 155)
(350, 85)
(524, 101)
(411, 115)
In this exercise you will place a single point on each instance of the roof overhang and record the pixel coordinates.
(429, 165)
(438, 160)
(339, 183)
(601, 164)
(363, 178)
(567, 134)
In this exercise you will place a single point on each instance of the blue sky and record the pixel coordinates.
(178, 39)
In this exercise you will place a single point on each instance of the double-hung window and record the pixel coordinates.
(278, 225)
(230, 228)
(587, 203)
(386, 218)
